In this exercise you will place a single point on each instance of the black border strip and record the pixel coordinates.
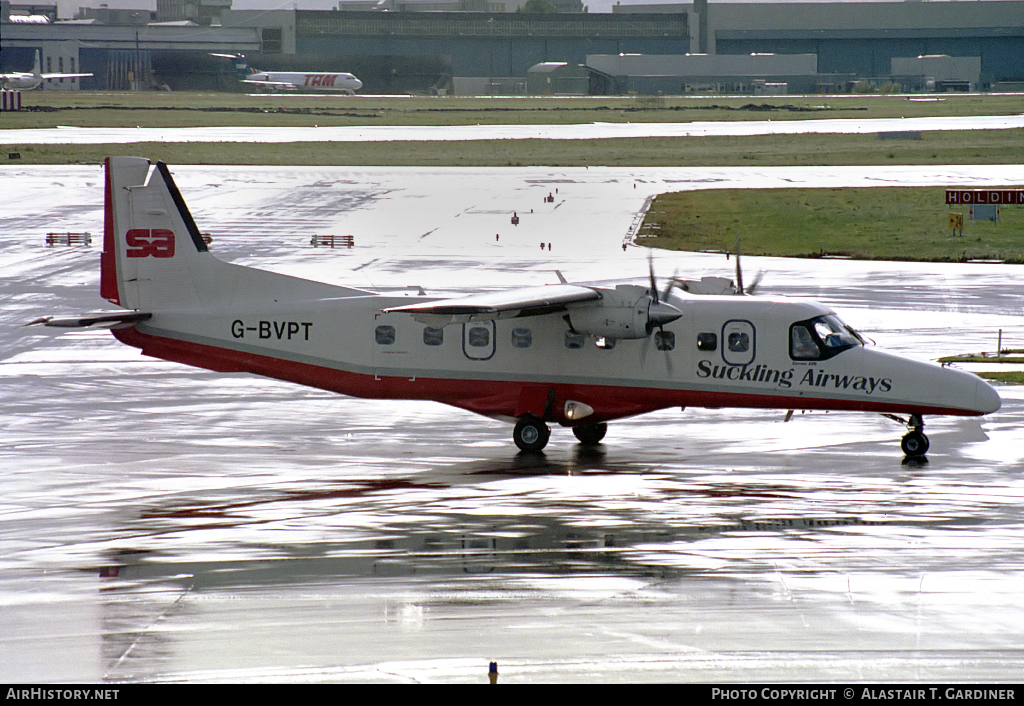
(193, 229)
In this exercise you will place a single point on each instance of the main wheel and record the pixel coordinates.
(914, 444)
(531, 434)
(590, 434)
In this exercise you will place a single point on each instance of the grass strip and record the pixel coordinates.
(194, 109)
(1009, 378)
(960, 147)
(892, 223)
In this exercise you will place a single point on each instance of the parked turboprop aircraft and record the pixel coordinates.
(578, 355)
(300, 81)
(21, 81)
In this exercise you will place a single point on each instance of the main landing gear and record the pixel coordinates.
(915, 443)
(532, 434)
(590, 434)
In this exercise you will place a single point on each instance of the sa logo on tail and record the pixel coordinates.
(143, 242)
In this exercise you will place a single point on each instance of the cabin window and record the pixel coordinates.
(384, 335)
(821, 338)
(573, 340)
(664, 340)
(478, 336)
(707, 341)
(478, 340)
(522, 338)
(739, 342)
(433, 336)
(738, 347)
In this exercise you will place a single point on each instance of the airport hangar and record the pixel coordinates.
(802, 46)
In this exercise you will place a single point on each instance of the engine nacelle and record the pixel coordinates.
(628, 311)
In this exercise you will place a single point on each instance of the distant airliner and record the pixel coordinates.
(22, 81)
(300, 81)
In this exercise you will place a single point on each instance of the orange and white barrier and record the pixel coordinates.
(331, 241)
(10, 100)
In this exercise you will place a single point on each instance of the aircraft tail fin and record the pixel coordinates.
(155, 259)
(37, 66)
(153, 253)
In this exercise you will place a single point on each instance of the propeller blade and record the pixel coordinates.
(739, 270)
(756, 282)
(670, 285)
(654, 284)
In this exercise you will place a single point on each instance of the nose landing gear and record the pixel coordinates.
(915, 443)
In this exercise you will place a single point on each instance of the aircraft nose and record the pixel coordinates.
(986, 399)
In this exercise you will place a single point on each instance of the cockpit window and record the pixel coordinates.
(802, 345)
(821, 338)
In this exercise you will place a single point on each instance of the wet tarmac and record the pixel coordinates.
(162, 523)
(65, 135)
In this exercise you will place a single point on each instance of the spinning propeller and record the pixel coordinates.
(740, 290)
(659, 313)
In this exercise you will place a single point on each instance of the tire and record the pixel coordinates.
(590, 434)
(531, 434)
(915, 444)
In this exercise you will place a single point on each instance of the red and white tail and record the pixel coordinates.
(153, 254)
(154, 257)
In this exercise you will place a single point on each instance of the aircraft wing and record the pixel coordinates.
(527, 301)
(270, 84)
(105, 320)
(65, 75)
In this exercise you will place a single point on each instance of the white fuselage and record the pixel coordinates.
(293, 80)
(506, 368)
(20, 81)
(573, 354)
(26, 81)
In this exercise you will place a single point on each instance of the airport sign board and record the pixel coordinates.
(985, 196)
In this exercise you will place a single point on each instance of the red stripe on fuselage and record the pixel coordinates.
(108, 258)
(492, 398)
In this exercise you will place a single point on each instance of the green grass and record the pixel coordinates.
(897, 223)
(1012, 378)
(1008, 355)
(156, 109)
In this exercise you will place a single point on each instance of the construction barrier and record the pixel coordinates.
(68, 239)
(10, 100)
(331, 241)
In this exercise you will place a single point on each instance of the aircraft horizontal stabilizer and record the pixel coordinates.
(113, 320)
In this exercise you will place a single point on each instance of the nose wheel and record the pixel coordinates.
(531, 433)
(915, 443)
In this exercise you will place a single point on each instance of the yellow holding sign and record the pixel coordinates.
(956, 221)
